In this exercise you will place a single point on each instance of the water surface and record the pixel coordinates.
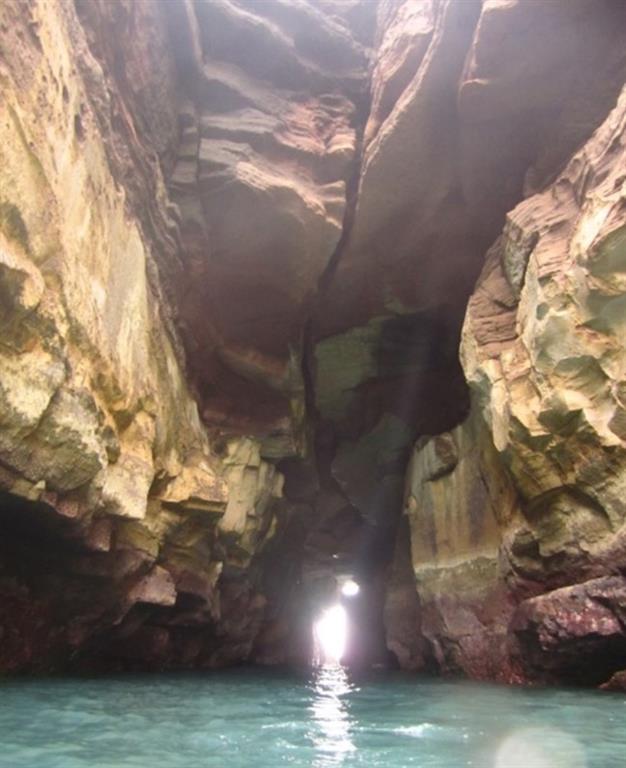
(266, 719)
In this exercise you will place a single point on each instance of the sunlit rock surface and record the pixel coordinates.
(544, 353)
(237, 244)
(542, 510)
(127, 506)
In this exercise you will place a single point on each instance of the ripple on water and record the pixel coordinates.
(259, 718)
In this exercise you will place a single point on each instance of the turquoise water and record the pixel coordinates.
(264, 719)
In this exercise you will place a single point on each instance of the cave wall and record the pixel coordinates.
(517, 515)
(239, 244)
(268, 113)
(549, 386)
(473, 106)
(104, 459)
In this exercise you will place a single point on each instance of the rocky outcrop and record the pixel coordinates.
(543, 346)
(237, 245)
(575, 633)
(404, 633)
(103, 456)
(547, 367)
(543, 352)
(462, 124)
(268, 145)
(458, 499)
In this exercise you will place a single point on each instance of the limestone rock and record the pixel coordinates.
(254, 485)
(67, 450)
(517, 517)
(460, 124)
(156, 588)
(543, 352)
(197, 488)
(402, 611)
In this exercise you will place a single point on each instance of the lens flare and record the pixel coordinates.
(540, 748)
(331, 632)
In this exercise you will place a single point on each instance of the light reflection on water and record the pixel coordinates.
(321, 719)
(331, 733)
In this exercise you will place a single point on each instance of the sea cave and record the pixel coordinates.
(312, 383)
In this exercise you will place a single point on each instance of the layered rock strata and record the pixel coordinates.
(237, 245)
(268, 145)
(118, 516)
(519, 547)
(473, 106)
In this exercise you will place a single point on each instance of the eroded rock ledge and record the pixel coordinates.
(238, 244)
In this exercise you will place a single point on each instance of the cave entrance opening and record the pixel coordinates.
(330, 635)
(331, 629)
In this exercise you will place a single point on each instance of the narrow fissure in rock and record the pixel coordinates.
(296, 294)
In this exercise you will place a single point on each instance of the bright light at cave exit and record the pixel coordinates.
(331, 631)
(350, 588)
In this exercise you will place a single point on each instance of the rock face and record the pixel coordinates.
(239, 242)
(268, 144)
(542, 507)
(460, 124)
(104, 459)
(457, 499)
(547, 369)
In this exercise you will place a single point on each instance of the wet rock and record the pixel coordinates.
(402, 612)
(458, 502)
(544, 468)
(576, 633)
(617, 682)
(237, 241)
